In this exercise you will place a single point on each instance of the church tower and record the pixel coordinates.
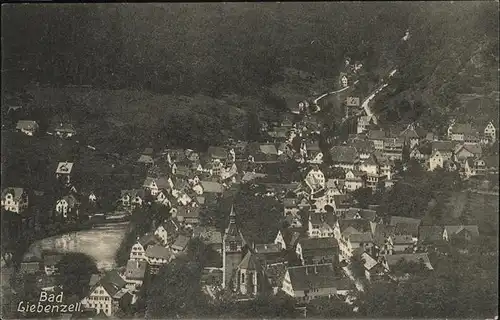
(232, 245)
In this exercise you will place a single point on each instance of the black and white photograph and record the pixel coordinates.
(250, 160)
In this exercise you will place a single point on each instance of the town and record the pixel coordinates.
(318, 219)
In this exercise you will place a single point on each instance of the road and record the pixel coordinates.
(358, 284)
(315, 101)
(366, 103)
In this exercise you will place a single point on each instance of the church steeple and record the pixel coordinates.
(232, 247)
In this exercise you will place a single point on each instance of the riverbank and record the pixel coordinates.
(100, 242)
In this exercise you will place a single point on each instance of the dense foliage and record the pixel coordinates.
(460, 286)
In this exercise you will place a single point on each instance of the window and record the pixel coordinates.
(242, 277)
(233, 246)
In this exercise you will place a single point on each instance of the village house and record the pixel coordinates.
(132, 198)
(135, 273)
(287, 238)
(50, 263)
(405, 226)
(389, 261)
(374, 270)
(373, 173)
(47, 283)
(108, 294)
(355, 180)
(412, 135)
(465, 151)
(463, 132)
(381, 233)
(430, 235)
(146, 159)
(315, 180)
(314, 154)
(344, 157)
(463, 232)
(65, 130)
(309, 282)
(138, 251)
(352, 225)
(358, 213)
(364, 148)
(15, 199)
(63, 172)
(393, 148)
(180, 244)
(210, 236)
(436, 161)
(167, 231)
(474, 167)
(211, 187)
(154, 185)
(317, 250)
(400, 243)
(490, 131)
(157, 256)
(377, 137)
(351, 241)
(363, 123)
(67, 206)
(28, 127)
(420, 152)
(320, 225)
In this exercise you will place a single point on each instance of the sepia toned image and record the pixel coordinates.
(256, 160)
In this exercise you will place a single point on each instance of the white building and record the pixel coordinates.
(14, 200)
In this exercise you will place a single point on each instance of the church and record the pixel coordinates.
(248, 271)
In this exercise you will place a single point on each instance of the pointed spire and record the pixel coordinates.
(232, 215)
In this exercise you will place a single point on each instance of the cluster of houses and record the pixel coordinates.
(325, 227)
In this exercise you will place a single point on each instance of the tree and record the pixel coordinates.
(363, 196)
(75, 270)
(357, 266)
(329, 308)
(176, 291)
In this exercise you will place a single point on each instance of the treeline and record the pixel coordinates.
(210, 48)
(453, 47)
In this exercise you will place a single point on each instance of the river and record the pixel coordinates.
(101, 243)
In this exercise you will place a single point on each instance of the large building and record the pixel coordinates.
(232, 250)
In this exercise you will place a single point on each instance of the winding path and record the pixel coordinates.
(315, 101)
(366, 103)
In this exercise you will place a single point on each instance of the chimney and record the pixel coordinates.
(307, 270)
(315, 270)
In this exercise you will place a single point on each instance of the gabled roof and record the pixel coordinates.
(112, 282)
(170, 226)
(462, 128)
(376, 134)
(188, 212)
(318, 243)
(148, 239)
(366, 214)
(209, 235)
(266, 248)
(135, 269)
(249, 262)
(369, 262)
(381, 232)
(452, 230)
(275, 273)
(443, 146)
(402, 239)
(156, 251)
(211, 187)
(313, 277)
(268, 149)
(16, 193)
(413, 257)
(51, 259)
(472, 148)
(181, 242)
(364, 237)
(217, 152)
(406, 229)
(248, 176)
(362, 146)
(26, 125)
(313, 146)
(65, 127)
(399, 219)
(145, 159)
(360, 225)
(64, 167)
(343, 154)
(430, 233)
